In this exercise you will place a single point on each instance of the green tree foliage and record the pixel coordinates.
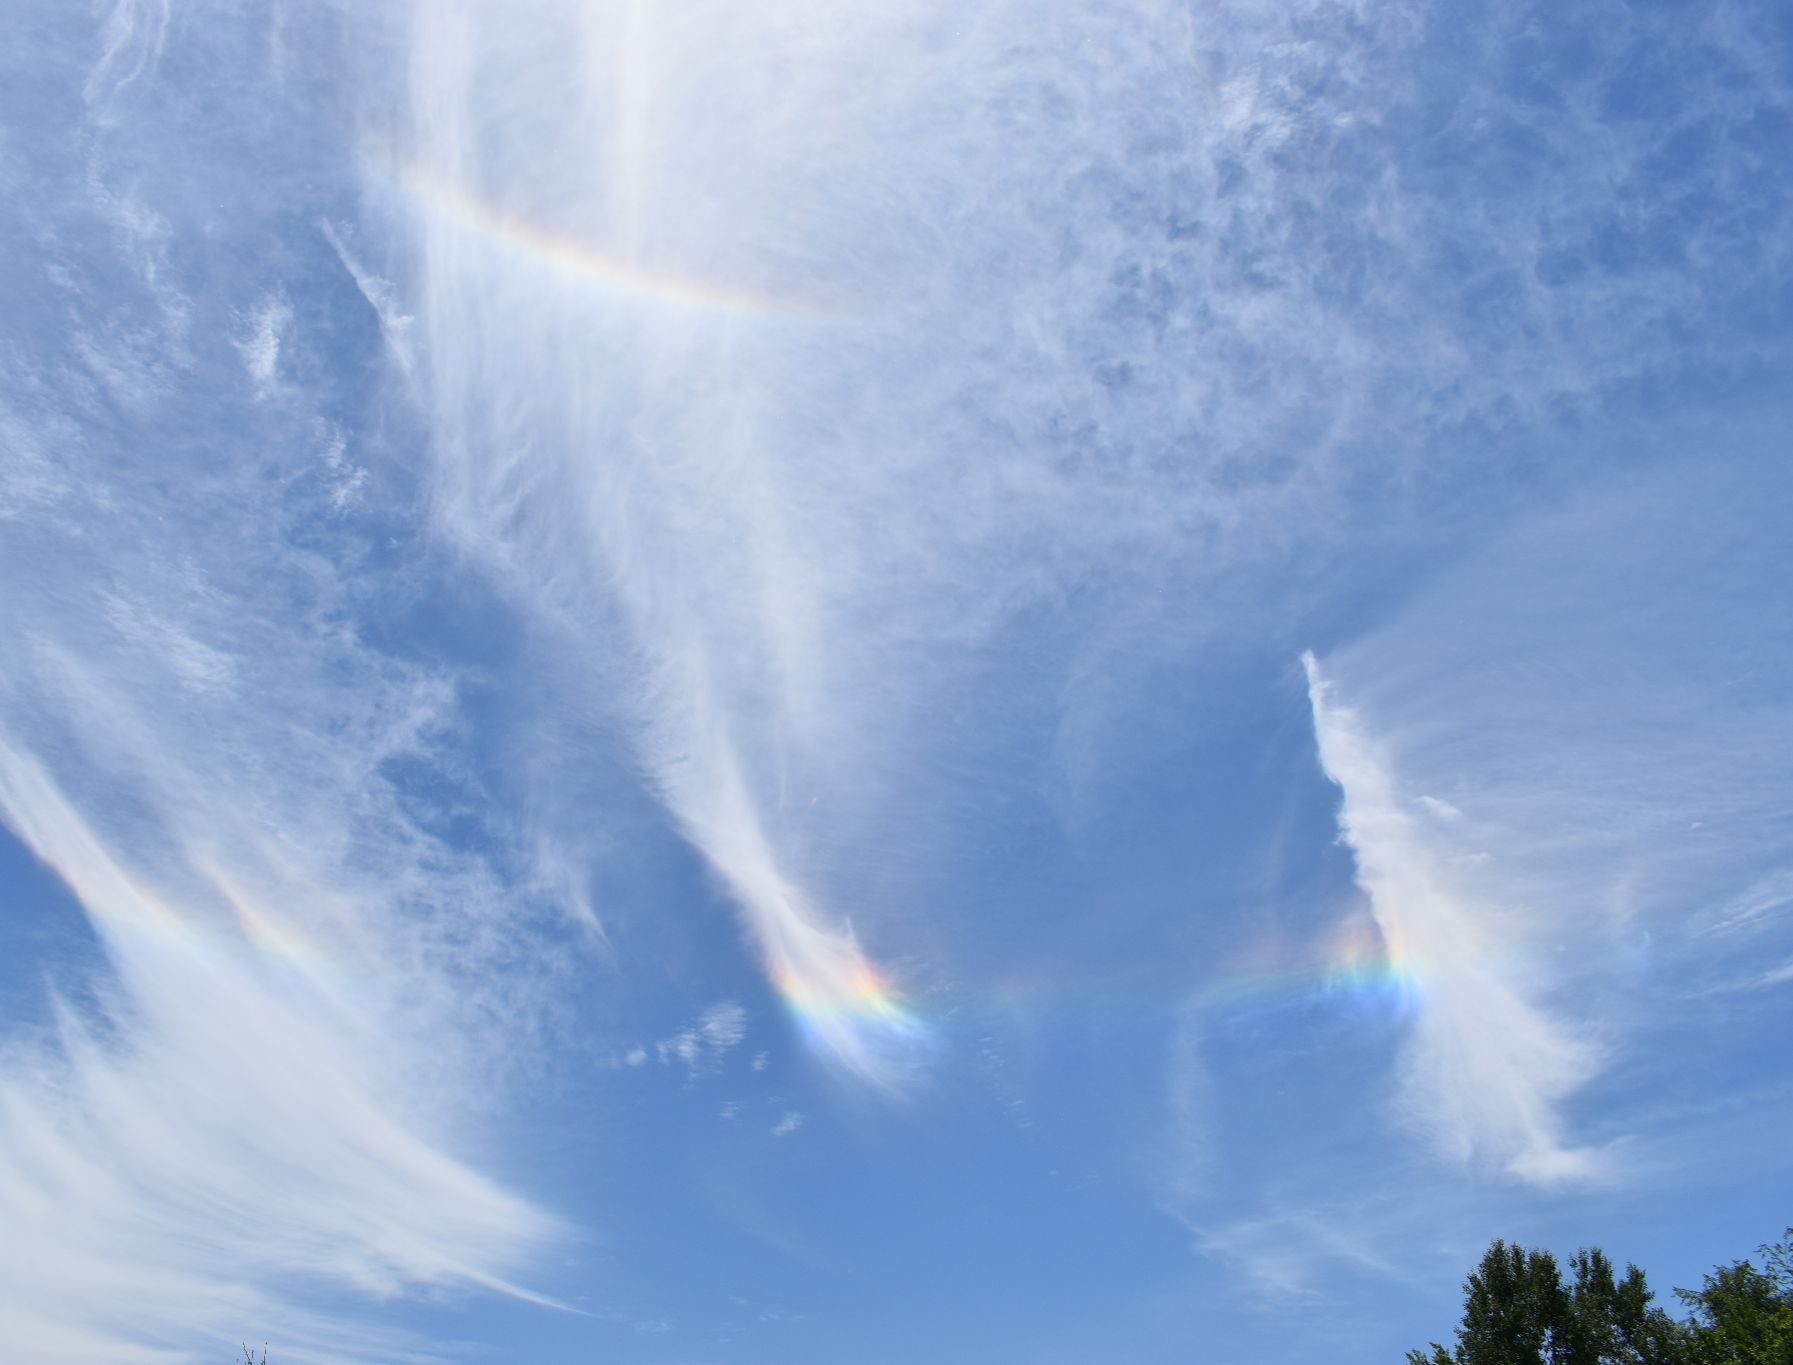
(1744, 1316)
(1517, 1310)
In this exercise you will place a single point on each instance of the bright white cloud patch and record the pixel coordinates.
(787, 1125)
(261, 345)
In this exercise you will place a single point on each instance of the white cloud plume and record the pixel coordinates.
(222, 1126)
(1488, 1066)
(247, 1104)
(1593, 690)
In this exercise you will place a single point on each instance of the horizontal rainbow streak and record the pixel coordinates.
(1363, 966)
(579, 259)
(865, 1000)
(1387, 985)
(868, 1005)
(1360, 972)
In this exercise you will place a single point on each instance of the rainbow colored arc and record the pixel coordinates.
(582, 260)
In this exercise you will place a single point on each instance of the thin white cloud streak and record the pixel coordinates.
(1289, 1254)
(132, 42)
(1093, 316)
(1488, 1066)
(395, 324)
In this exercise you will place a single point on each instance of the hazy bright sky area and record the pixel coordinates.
(934, 681)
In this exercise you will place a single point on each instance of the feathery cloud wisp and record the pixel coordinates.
(1487, 1065)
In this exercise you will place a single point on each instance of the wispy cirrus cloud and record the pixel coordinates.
(805, 376)
(1287, 1254)
(258, 1103)
(701, 1047)
(229, 1119)
(840, 403)
(790, 1123)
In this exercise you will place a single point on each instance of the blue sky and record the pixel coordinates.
(745, 682)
